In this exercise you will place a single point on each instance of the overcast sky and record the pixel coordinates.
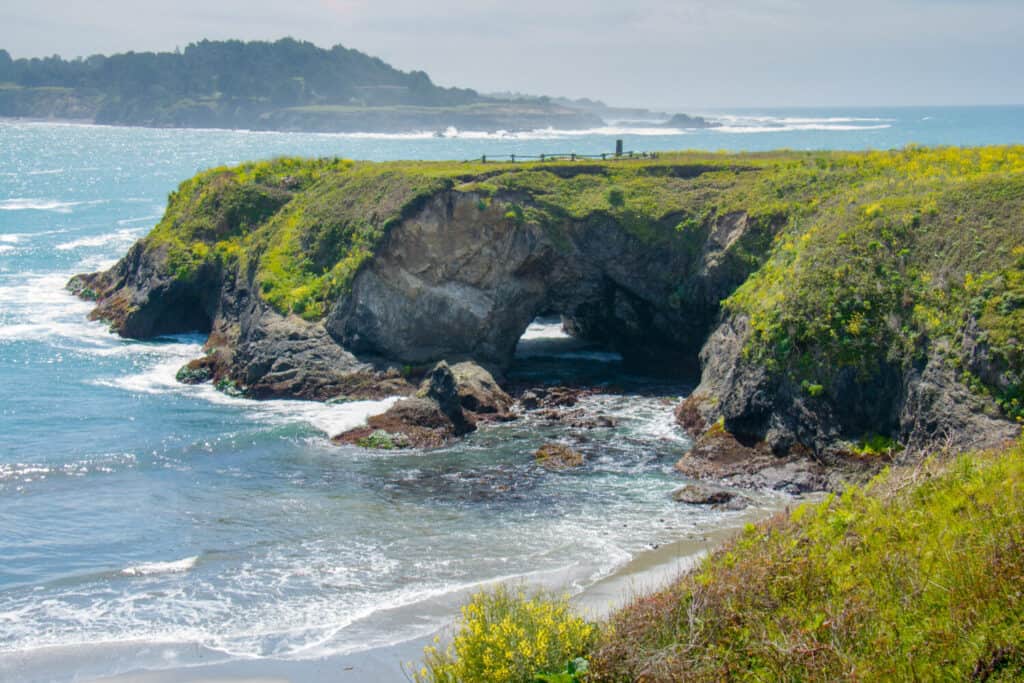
(678, 54)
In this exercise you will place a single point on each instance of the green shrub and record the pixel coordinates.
(504, 636)
(874, 445)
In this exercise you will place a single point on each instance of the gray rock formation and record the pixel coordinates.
(463, 280)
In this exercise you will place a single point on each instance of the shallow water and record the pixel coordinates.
(201, 527)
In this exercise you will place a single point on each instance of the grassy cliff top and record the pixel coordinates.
(876, 257)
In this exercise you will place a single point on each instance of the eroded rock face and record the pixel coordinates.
(459, 279)
(926, 407)
(463, 280)
(937, 410)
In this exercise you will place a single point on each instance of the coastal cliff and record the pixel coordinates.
(829, 304)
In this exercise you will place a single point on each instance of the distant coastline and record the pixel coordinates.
(287, 85)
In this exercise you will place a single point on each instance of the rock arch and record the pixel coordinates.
(465, 277)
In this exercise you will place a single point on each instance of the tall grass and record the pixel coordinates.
(915, 577)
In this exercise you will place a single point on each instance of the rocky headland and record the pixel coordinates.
(835, 310)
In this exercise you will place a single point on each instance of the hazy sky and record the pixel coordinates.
(681, 54)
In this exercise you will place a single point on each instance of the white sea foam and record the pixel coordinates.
(159, 378)
(544, 329)
(143, 219)
(39, 309)
(6, 248)
(650, 418)
(25, 472)
(786, 128)
(36, 307)
(26, 204)
(780, 124)
(118, 238)
(149, 568)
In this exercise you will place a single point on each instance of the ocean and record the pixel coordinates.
(148, 525)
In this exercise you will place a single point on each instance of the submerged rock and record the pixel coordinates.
(409, 423)
(556, 456)
(577, 419)
(196, 371)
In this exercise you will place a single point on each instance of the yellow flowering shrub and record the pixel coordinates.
(504, 636)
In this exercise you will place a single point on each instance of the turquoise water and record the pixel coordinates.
(203, 527)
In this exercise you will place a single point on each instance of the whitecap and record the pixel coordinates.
(149, 568)
(788, 128)
(26, 204)
(125, 236)
(141, 219)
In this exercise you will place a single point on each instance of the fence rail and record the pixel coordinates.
(570, 156)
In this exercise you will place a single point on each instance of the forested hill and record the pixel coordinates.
(286, 84)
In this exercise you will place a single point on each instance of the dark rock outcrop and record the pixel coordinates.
(706, 494)
(436, 414)
(720, 456)
(924, 406)
(479, 392)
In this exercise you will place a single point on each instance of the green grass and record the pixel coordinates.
(882, 266)
(918, 576)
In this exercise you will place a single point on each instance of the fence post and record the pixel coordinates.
(483, 159)
(618, 148)
(513, 158)
(574, 156)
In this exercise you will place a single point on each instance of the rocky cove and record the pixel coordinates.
(767, 280)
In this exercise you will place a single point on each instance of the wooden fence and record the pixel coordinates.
(570, 156)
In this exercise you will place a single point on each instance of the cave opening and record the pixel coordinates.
(553, 350)
(547, 352)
